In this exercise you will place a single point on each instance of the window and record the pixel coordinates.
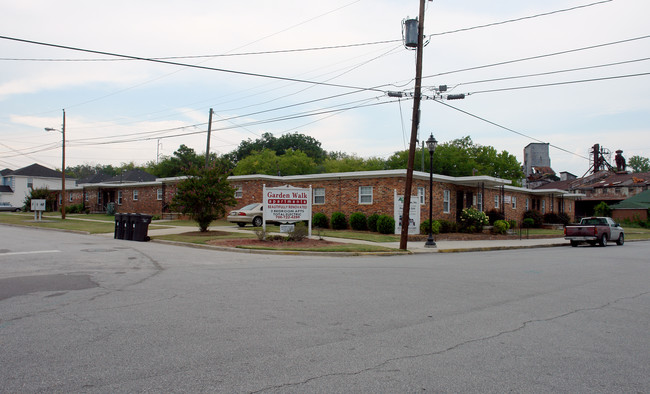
(319, 195)
(85, 196)
(70, 197)
(159, 194)
(527, 204)
(479, 202)
(543, 206)
(30, 183)
(421, 195)
(445, 201)
(239, 192)
(135, 194)
(365, 194)
(496, 202)
(60, 198)
(119, 197)
(514, 202)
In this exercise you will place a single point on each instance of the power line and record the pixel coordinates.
(508, 129)
(538, 56)
(553, 72)
(167, 62)
(522, 18)
(561, 83)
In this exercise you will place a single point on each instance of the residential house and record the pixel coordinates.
(18, 184)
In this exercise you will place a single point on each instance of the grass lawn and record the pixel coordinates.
(54, 221)
(202, 239)
(636, 233)
(355, 248)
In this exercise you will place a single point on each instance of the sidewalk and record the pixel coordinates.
(412, 246)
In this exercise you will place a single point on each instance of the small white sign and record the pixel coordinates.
(414, 214)
(38, 205)
(287, 228)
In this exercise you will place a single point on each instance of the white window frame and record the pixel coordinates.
(479, 201)
(136, 194)
(543, 207)
(446, 194)
(319, 195)
(239, 191)
(86, 196)
(496, 201)
(365, 193)
(422, 195)
(159, 194)
(70, 197)
(119, 197)
(527, 203)
(514, 202)
(30, 183)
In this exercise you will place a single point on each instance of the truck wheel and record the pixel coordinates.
(257, 221)
(574, 243)
(620, 240)
(603, 240)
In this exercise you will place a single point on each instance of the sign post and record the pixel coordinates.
(38, 206)
(286, 204)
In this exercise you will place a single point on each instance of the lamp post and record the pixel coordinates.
(431, 145)
(62, 131)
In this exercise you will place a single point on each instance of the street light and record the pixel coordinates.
(431, 145)
(62, 131)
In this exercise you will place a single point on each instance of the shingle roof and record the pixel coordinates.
(37, 170)
(5, 189)
(97, 178)
(5, 172)
(639, 201)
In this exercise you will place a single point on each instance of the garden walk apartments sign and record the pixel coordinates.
(286, 204)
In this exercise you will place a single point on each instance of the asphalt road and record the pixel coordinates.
(89, 314)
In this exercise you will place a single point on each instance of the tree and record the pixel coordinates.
(204, 194)
(290, 141)
(639, 164)
(40, 194)
(269, 163)
(183, 159)
(343, 162)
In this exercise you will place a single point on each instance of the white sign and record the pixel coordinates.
(414, 214)
(286, 204)
(38, 205)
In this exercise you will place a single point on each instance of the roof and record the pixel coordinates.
(639, 201)
(97, 178)
(36, 170)
(6, 171)
(602, 179)
(5, 189)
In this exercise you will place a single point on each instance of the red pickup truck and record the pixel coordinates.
(594, 230)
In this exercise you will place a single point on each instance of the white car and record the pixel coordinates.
(6, 206)
(251, 213)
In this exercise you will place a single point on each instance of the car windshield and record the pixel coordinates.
(249, 207)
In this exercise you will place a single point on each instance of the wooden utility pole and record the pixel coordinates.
(207, 148)
(63, 171)
(414, 131)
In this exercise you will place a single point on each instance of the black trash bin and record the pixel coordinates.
(141, 227)
(119, 226)
(128, 226)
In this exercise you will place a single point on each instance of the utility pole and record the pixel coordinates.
(63, 171)
(414, 130)
(207, 148)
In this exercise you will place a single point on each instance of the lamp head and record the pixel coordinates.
(431, 144)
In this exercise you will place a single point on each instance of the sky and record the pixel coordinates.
(323, 69)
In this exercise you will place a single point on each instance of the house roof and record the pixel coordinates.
(601, 179)
(639, 201)
(5, 189)
(6, 171)
(38, 171)
(97, 178)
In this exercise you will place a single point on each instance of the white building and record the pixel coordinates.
(18, 184)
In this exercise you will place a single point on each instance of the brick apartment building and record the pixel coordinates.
(368, 192)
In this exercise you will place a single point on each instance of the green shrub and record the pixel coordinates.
(74, 208)
(40, 194)
(358, 221)
(320, 220)
(500, 227)
(494, 215)
(386, 224)
(602, 209)
(472, 220)
(298, 233)
(372, 222)
(448, 227)
(435, 228)
(512, 223)
(536, 216)
(556, 218)
(529, 223)
(155, 217)
(339, 222)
